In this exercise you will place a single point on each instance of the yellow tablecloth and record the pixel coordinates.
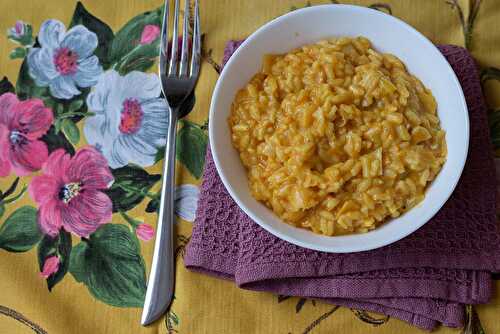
(202, 304)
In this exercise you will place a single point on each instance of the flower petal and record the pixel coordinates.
(49, 218)
(41, 66)
(89, 167)
(140, 85)
(186, 201)
(116, 157)
(7, 102)
(80, 40)
(88, 72)
(28, 157)
(33, 118)
(135, 150)
(5, 166)
(94, 129)
(86, 212)
(155, 122)
(63, 87)
(44, 188)
(51, 266)
(144, 232)
(100, 136)
(57, 164)
(105, 94)
(149, 33)
(51, 33)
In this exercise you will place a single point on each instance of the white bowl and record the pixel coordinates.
(388, 34)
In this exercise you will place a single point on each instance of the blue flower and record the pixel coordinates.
(65, 59)
(186, 201)
(130, 121)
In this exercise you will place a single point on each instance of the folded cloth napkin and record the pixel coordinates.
(424, 279)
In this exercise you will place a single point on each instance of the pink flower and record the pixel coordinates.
(144, 231)
(51, 266)
(19, 28)
(22, 123)
(149, 34)
(69, 192)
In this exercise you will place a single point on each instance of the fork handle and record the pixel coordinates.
(160, 288)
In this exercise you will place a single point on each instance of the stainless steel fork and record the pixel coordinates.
(178, 82)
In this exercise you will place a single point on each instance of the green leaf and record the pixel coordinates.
(70, 130)
(16, 197)
(74, 109)
(58, 246)
(27, 39)
(2, 209)
(77, 262)
(73, 115)
(57, 125)
(6, 86)
(141, 58)
(17, 53)
(133, 222)
(59, 109)
(160, 154)
(111, 266)
(75, 106)
(191, 146)
(55, 141)
(26, 87)
(49, 102)
(153, 205)
(130, 187)
(11, 189)
(101, 29)
(128, 37)
(20, 232)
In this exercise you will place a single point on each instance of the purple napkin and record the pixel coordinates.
(424, 279)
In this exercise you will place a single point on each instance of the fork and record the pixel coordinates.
(178, 82)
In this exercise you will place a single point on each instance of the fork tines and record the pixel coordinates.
(169, 61)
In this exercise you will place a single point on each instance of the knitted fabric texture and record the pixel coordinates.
(424, 279)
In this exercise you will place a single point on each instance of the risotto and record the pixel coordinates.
(336, 137)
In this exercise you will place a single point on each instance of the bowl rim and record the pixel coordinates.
(297, 241)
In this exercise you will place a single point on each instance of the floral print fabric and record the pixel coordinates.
(78, 131)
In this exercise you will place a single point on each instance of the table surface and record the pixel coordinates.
(204, 304)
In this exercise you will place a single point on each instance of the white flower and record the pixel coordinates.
(186, 201)
(130, 121)
(65, 60)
